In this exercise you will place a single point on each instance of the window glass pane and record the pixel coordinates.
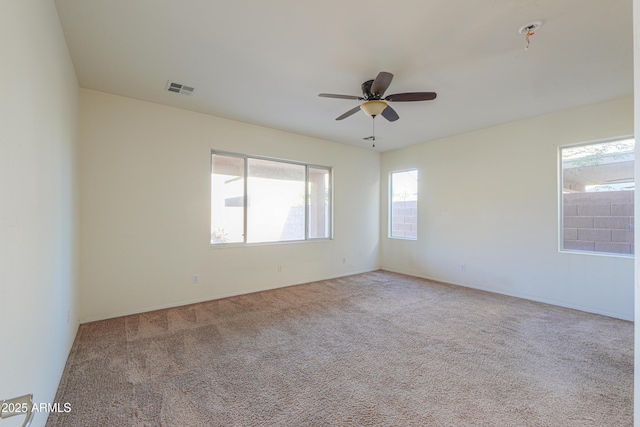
(227, 199)
(276, 204)
(319, 205)
(404, 204)
(597, 197)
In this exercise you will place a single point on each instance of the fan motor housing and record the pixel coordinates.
(366, 91)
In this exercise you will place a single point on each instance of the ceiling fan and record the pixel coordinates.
(373, 92)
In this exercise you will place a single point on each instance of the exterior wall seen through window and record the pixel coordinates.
(403, 209)
(597, 198)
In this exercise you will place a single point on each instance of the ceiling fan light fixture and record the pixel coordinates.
(373, 108)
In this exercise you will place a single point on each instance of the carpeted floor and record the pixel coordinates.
(366, 350)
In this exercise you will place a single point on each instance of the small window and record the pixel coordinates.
(260, 200)
(403, 208)
(597, 200)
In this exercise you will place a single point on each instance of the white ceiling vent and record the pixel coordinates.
(179, 88)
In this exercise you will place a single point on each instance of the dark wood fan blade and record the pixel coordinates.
(390, 114)
(349, 113)
(411, 96)
(381, 83)
(331, 95)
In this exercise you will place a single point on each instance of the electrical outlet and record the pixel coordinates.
(195, 279)
(344, 259)
(463, 267)
(279, 267)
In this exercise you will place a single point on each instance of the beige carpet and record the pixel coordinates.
(366, 350)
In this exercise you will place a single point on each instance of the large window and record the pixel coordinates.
(403, 209)
(259, 200)
(597, 197)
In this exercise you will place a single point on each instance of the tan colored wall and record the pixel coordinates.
(38, 213)
(145, 206)
(488, 212)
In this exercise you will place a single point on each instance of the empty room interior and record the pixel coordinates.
(345, 213)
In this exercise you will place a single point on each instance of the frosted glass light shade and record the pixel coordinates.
(373, 108)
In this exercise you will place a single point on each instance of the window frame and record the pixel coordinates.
(560, 194)
(245, 207)
(390, 204)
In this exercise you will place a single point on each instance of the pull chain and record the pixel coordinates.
(373, 136)
(374, 132)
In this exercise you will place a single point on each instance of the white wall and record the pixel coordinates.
(38, 127)
(145, 208)
(636, 74)
(489, 200)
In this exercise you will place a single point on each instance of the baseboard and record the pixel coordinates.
(517, 295)
(231, 294)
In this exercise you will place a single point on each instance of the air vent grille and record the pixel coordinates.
(179, 88)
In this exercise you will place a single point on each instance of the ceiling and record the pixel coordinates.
(265, 62)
